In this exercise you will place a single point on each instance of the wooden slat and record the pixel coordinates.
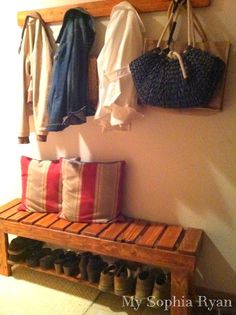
(102, 8)
(132, 232)
(34, 217)
(76, 227)
(151, 235)
(10, 204)
(17, 217)
(114, 230)
(8, 213)
(48, 220)
(169, 237)
(94, 229)
(60, 225)
(191, 241)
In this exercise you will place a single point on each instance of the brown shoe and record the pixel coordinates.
(144, 284)
(84, 259)
(94, 268)
(123, 281)
(161, 289)
(106, 283)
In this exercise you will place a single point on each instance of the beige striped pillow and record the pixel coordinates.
(91, 191)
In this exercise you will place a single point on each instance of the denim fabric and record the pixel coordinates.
(68, 99)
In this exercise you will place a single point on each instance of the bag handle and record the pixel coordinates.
(193, 23)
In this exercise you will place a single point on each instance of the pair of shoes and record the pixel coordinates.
(48, 261)
(155, 283)
(67, 263)
(161, 289)
(144, 284)
(20, 248)
(124, 281)
(90, 267)
(33, 258)
(118, 277)
(20, 244)
(106, 283)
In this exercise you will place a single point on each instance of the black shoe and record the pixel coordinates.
(19, 244)
(33, 258)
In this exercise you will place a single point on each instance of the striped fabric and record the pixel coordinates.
(41, 185)
(91, 191)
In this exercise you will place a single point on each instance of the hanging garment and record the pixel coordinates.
(36, 57)
(68, 97)
(117, 105)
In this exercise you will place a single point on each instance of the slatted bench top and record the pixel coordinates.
(171, 245)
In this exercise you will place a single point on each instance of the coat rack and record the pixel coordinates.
(103, 8)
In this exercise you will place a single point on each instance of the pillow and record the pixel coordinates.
(41, 185)
(91, 191)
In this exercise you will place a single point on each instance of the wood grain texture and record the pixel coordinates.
(10, 204)
(60, 225)
(191, 241)
(114, 230)
(8, 213)
(34, 217)
(151, 235)
(170, 237)
(156, 257)
(76, 227)
(20, 215)
(132, 232)
(94, 229)
(5, 268)
(102, 9)
(48, 220)
(180, 290)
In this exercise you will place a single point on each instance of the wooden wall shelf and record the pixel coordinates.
(103, 8)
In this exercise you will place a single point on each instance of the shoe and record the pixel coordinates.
(33, 258)
(106, 282)
(94, 268)
(58, 253)
(58, 265)
(19, 244)
(123, 281)
(161, 288)
(71, 268)
(47, 262)
(144, 284)
(84, 258)
(70, 255)
(16, 259)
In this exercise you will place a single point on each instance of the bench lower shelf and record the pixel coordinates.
(52, 272)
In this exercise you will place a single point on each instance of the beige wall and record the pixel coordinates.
(181, 168)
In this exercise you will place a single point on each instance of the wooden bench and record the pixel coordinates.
(157, 244)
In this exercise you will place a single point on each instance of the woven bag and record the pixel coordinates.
(166, 78)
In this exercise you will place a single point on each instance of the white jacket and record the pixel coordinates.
(36, 59)
(117, 105)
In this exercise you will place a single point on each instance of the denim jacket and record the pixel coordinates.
(68, 101)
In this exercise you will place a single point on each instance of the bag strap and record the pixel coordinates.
(193, 23)
(171, 23)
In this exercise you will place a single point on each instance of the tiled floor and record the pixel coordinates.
(30, 292)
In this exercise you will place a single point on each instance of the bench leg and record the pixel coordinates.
(5, 268)
(180, 292)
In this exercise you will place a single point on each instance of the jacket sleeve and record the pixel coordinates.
(42, 60)
(24, 84)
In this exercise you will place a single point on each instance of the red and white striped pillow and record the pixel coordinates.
(91, 191)
(41, 185)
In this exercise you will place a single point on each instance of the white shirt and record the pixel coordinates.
(117, 105)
